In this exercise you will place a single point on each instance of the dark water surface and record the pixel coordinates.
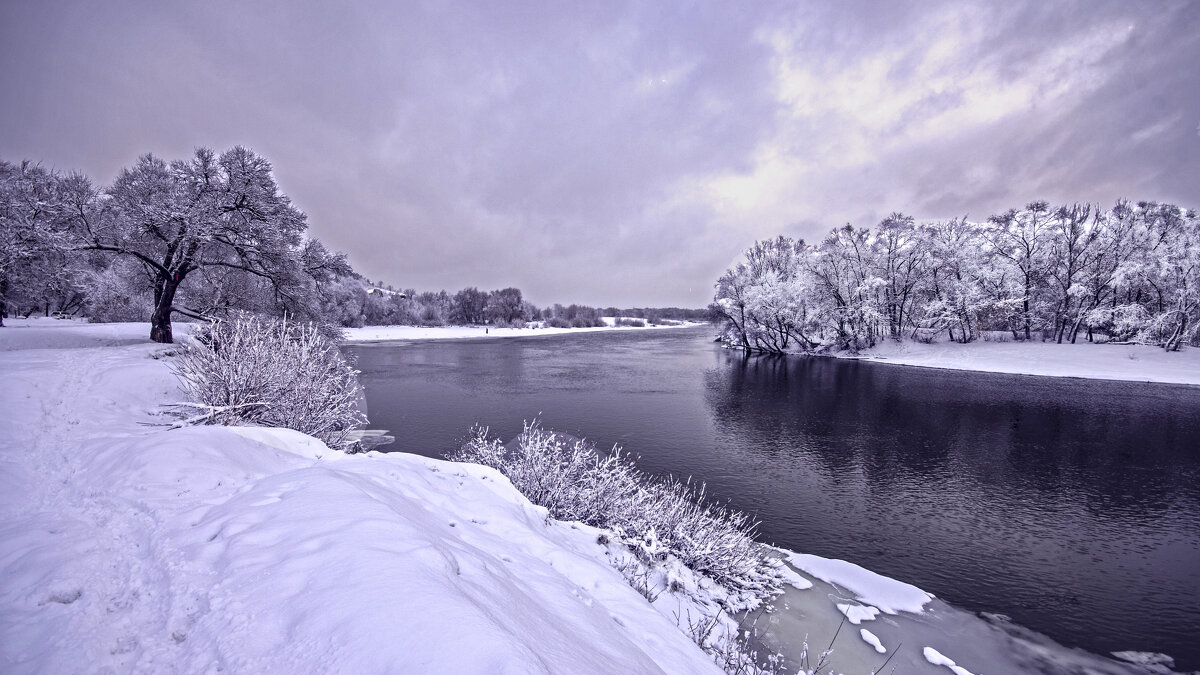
(1072, 506)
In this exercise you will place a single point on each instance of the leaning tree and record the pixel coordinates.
(205, 215)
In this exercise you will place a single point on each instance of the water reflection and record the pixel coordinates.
(1048, 500)
(1070, 505)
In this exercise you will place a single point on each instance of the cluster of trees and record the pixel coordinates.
(202, 238)
(195, 237)
(353, 302)
(1128, 273)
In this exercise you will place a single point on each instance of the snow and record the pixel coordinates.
(870, 639)
(1151, 662)
(1139, 363)
(856, 613)
(49, 333)
(936, 658)
(873, 589)
(794, 579)
(134, 548)
(39, 332)
(384, 333)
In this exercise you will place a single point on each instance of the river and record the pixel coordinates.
(1071, 506)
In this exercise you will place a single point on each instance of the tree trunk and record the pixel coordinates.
(3, 295)
(160, 320)
(1026, 308)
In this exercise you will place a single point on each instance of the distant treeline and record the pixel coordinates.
(354, 302)
(205, 237)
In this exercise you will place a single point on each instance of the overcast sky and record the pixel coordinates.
(609, 153)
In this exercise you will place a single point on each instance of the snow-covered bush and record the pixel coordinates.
(272, 372)
(653, 517)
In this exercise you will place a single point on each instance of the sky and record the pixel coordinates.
(612, 153)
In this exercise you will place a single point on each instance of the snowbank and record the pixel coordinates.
(133, 548)
(384, 333)
(1139, 363)
(889, 595)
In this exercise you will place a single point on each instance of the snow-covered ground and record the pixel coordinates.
(130, 547)
(1139, 363)
(41, 332)
(386, 333)
(44, 333)
(133, 548)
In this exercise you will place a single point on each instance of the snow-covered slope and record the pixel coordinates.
(132, 548)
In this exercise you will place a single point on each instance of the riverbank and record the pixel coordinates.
(1134, 363)
(41, 332)
(398, 333)
(142, 549)
(135, 548)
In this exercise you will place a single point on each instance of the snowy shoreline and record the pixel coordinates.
(370, 334)
(131, 547)
(1126, 362)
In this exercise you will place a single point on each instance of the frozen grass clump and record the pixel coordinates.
(275, 373)
(653, 517)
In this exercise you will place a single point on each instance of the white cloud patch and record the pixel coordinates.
(859, 108)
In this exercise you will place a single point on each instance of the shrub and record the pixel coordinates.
(574, 482)
(555, 322)
(273, 372)
(633, 323)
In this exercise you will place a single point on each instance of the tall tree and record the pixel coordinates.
(206, 213)
(1019, 237)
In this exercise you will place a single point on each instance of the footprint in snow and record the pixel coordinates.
(62, 597)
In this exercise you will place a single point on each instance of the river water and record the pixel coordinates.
(1071, 506)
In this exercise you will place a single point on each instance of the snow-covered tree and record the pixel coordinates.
(469, 306)
(1018, 239)
(1130, 272)
(902, 262)
(956, 298)
(764, 299)
(36, 271)
(207, 216)
(505, 305)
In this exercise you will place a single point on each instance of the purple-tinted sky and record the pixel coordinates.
(611, 153)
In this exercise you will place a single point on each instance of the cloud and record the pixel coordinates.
(617, 153)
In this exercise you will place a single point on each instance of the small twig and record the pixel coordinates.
(211, 412)
(889, 658)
